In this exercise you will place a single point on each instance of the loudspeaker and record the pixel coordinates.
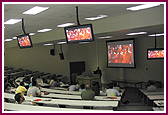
(61, 56)
(52, 52)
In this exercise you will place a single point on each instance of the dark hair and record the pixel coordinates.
(17, 97)
(82, 86)
(115, 84)
(21, 83)
(111, 85)
(34, 83)
(94, 83)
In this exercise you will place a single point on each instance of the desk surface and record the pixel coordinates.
(159, 103)
(18, 107)
(156, 97)
(68, 102)
(158, 108)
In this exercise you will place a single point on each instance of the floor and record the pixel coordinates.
(135, 104)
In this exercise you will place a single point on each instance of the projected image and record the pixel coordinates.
(120, 53)
(24, 41)
(79, 34)
(155, 54)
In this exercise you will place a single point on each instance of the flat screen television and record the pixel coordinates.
(24, 41)
(120, 53)
(157, 53)
(80, 33)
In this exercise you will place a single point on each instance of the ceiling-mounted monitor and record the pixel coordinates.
(120, 53)
(155, 53)
(24, 41)
(79, 33)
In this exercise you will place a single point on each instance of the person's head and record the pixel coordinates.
(152, 83)
(19, 98)
(115, 84)
(94, 83)
(88, 87)
(21, 83)
(111, 85)
(82, 86)
(34, 83)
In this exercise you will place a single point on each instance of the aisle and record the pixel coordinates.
(131, 94)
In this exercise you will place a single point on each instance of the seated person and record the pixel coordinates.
(21, 89)
(19, 98)
(116, 87)
(34, 90)
(74, 87)
(82, 87)
(88, 94)
(152, 87)
(6, 85)
(96, 88)
(55, 83)
(112, 92)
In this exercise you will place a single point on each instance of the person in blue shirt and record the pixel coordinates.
(112, 92)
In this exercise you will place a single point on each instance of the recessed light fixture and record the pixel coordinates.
(13, 21)
(137, 33)
(14, 38)
(35, 10)
(144, 6)
(7, 40)
(161, 34)
(104, 37)
(49, 44)
(61, 43)
(44, 30)
(31, 34)
(96, 18)
(66, 24)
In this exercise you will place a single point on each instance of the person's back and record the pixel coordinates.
(96, 88)
(21, 89)
(34, 90)
(88, 94)
(112, 92)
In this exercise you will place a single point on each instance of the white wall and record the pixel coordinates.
(38, 58)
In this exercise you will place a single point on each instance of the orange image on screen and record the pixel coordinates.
(79, 34)
(120, 54)
(24, 41)
(156, 54)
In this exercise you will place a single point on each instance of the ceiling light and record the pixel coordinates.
(14, 38)
(35, 10)
(162, 34)
(7, 40)
(31, 34)
(144, 6)
(61, 42)
(13, 21)
(104, 37)
(96, 18)
(66, 24)
(137, 33)
(49, 44)
(44, 30)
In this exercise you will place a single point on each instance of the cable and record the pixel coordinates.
(77, 15)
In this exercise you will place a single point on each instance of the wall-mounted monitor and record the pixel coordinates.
(157, 53)
(24, 41)
(120, 53)
(80, 33)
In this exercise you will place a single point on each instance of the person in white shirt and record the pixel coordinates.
(112, 92)
(74, 87)
(152, 87)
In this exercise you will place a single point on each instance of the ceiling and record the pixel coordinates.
(62, 13)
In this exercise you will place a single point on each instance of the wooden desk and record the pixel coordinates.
(19, 107)
(88, 80)
(151, 98)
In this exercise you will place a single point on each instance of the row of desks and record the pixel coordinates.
(90, 103)
(155, 99)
